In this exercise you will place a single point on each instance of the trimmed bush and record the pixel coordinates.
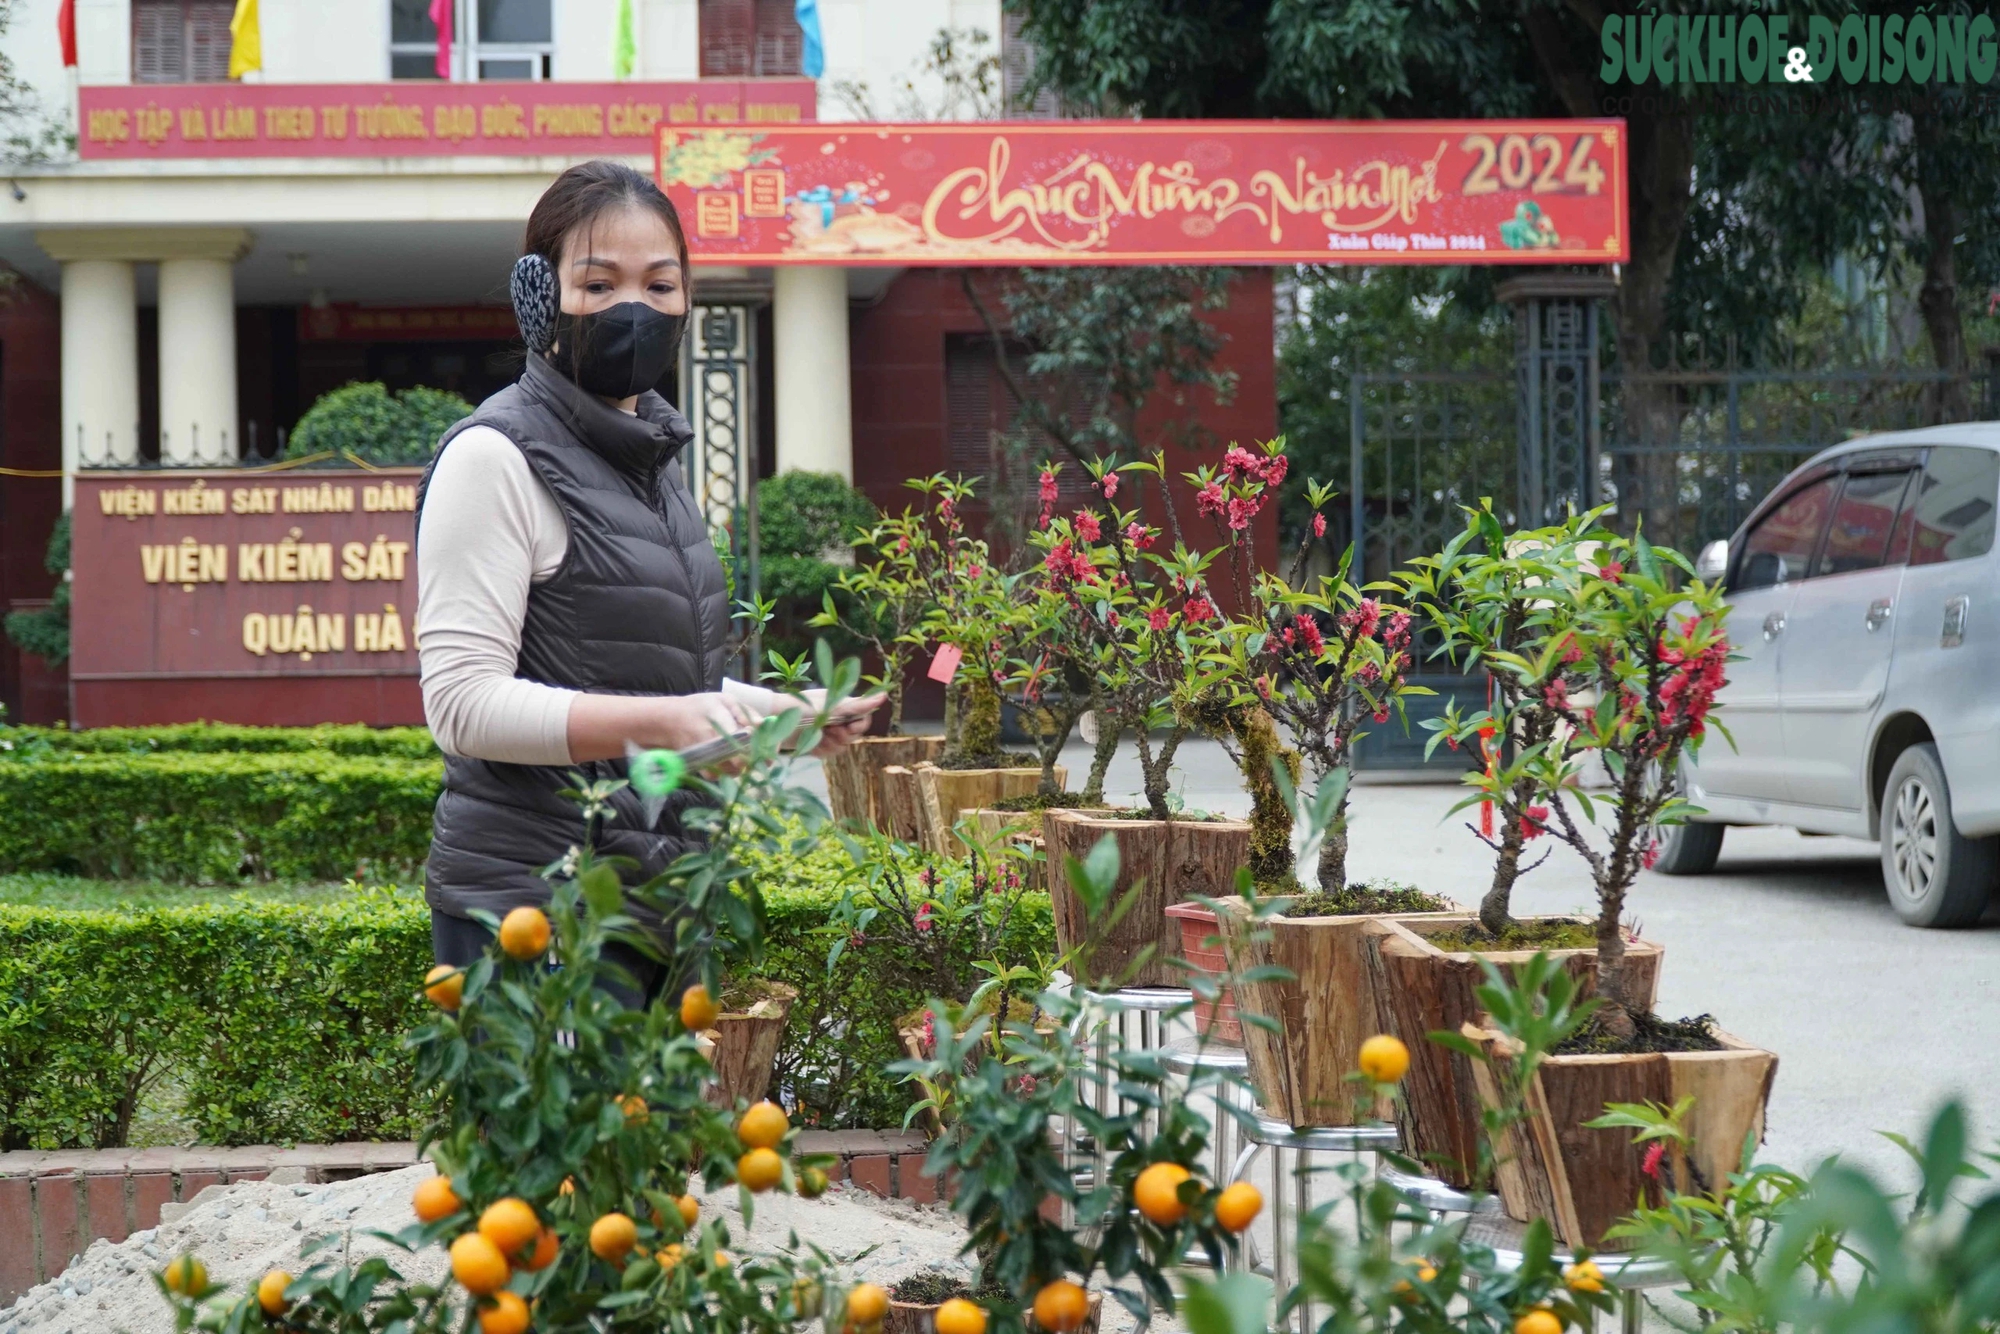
(281, 1022)
(218, 817)
(409, 743)
(275, 1022)
(363, 418)
(842, 1032)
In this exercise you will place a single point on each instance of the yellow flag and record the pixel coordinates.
(246, 40)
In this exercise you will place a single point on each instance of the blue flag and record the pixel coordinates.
(814, 62)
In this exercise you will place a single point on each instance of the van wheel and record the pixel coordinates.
(1689, 849)
(1935, 875)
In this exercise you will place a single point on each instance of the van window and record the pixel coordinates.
(1950, 515)
(1781, 546)
(1864, 519)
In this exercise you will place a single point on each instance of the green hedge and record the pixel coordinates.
(220, 817)
(408, 743)
(843, 1028)
(271, 1022)
(283, 1022)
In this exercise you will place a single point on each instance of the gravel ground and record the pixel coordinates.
(242, 1231)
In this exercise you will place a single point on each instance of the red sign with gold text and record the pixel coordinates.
(1152, 192)
(196, 120)
(239, 575)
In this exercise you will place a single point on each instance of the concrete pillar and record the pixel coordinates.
(100, 366)
(809, 347)
(100, 342)
(197, 361)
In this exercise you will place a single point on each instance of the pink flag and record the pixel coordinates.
(441, 14)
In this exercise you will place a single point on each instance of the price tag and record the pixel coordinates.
(945, 665)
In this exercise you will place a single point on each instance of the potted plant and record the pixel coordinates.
(1130, 617)
(973, 606)
(1010, 1082)
(888, 605)
(1652, 656)
(746, 1036)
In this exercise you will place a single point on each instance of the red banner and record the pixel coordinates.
(208, 120)
(392, 324)
(1152, 192)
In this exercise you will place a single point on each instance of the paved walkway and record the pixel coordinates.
(1790, 944)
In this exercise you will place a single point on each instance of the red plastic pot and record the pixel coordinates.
(1201, 946)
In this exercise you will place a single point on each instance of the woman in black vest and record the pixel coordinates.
(569, 598)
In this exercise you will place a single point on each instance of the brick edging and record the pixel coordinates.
(54, 1204)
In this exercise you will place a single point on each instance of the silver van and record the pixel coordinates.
(1864, 600)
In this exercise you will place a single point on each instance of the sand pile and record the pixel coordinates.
(244, 1230)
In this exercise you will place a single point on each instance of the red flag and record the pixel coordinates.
(66, 31)
(441, 15)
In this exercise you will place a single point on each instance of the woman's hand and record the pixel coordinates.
(847, 726)
(601, 725)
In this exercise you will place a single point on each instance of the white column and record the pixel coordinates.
(809, 347)
(100, 366)
(197, 361)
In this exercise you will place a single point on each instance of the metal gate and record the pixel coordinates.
(719, 396)
(1688, 453)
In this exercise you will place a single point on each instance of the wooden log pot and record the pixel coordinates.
(1171, 860)
(746, 1045)
(1428, 990)
(901, 814)
(947, 794)
(854, 774)
(1584, 1181)
(1323, 1013)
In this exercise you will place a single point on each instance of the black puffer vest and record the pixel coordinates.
(638, 607)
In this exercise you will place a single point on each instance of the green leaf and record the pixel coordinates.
(1233, 1304)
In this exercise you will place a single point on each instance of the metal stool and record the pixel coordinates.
(1629, 1274)
(1280, 1138)
(1133, 1019)
(1228, 1068)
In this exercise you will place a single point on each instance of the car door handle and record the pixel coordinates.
(1878, 613)
(1774, 625)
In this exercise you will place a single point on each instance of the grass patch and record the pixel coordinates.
(47, 889)
(1368, 897)
(1035, 801)
(1000, 760)
(1653, 1034)
(935, 1287)
(1554, 934)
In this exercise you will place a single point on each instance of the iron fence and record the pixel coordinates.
(1693, 452)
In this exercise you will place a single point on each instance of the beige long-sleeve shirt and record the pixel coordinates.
(491, 530)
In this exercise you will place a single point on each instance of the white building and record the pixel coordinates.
(158, 261)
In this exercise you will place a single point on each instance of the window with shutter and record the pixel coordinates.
(159, 42)
(968, 405)
(181, 41)
(208, 40)
(1017, 70)
(728, 38)
(781, 43)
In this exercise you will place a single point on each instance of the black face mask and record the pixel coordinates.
(618, 352)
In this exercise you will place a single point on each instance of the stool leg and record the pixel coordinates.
(1630, 1301)
(1281, 1262)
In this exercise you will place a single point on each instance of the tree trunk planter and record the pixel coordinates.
(1584, 1181)
(949, 793)
(1424, 989)
(854, 773)
(746, 1046)
(1017, 829)
(1323, 1015)
(902, 810)
(1214, 1020)
(1171, 860)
